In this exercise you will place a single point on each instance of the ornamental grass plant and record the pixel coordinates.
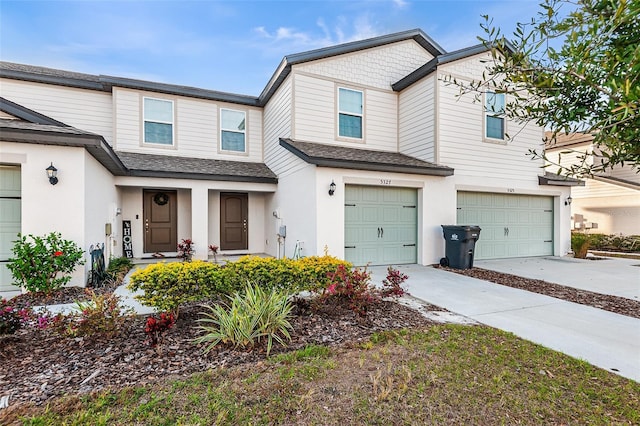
(251, 316)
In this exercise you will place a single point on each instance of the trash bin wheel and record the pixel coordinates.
(444, 262)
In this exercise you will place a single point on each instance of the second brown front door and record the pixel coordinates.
(233, 221)
(160, 221)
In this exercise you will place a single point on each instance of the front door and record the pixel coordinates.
(160, 221)
(234, 213)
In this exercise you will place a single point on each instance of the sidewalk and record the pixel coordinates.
(604, 339)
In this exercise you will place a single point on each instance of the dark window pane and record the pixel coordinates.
(232, 141)
(158, 133)
(350, 126)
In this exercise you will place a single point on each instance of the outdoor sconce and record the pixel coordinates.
(568, 201)
(52, 174)
(332, 188)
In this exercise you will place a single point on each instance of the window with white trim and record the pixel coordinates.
(350, 113)
(158, 121)
(232, 130)
(494, 121)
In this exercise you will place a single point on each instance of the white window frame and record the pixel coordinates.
(172, 122)
(244, 132)
(339, 111)
(500, 115)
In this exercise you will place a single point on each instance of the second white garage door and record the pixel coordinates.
(380, 225)
(512, 225)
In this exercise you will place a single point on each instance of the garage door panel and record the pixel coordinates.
(391, 218)
(512, 225)
(10, 219)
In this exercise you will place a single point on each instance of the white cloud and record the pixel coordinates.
(343, 30)
(400, 3)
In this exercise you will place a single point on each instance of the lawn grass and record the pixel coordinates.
(448, 374)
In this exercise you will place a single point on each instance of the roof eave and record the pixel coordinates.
(544, 180)
(94, 144)
(359, 165)
(201, 176)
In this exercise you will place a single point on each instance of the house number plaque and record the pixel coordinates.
(127, 244)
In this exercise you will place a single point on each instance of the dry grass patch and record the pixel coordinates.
(441, 375)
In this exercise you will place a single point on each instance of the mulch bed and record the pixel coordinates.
(616, 304)
(37, 365)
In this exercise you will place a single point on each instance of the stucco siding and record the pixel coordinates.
(100, 202)
(416, 120)
(84, 109)
(377, 67)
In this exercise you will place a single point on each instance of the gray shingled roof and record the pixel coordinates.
(152, 165)
(105, 82)
(558, 180)
(362, 159)
(47, 134)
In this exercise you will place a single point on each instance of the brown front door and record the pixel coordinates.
(160, 219)
(233, 221)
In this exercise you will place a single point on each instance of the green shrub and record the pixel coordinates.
(168, 285)
(580, 243)
(118, 267)
(623, 243)
(292, 275)
(44, 263)
(251, 316)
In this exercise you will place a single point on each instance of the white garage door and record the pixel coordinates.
(512, 225)
(380, 225)
(9, 219)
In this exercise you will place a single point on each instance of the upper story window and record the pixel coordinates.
(350, 112)
(232, 130)
(494, 115)
(158, 121)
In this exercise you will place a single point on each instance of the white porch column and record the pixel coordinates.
(200, 220)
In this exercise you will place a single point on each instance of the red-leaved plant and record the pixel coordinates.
(355, 287)
(186, 250)
(392, 284)
(156, 326)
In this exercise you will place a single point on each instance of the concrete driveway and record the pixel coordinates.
(607, 340)
(615, 276)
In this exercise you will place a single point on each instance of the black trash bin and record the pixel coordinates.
(460, 243)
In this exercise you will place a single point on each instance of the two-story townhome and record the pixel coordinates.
(359, 149)
(609, 201)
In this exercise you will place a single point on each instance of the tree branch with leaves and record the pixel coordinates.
(574, 68)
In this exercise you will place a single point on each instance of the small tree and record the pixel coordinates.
(44, 263)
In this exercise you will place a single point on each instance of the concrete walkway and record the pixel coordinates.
(607, 340)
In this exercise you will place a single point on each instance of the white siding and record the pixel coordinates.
(88, 110)
(195, 127)
(381, 120)
(417, 120)
(314, 109)
(626, 173)
(315, 114)
(277, 118)
(377, 67)
(462, 145)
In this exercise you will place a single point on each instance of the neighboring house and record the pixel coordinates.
(372, 119)
(609, 202)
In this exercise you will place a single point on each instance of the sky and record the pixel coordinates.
(229, 46)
